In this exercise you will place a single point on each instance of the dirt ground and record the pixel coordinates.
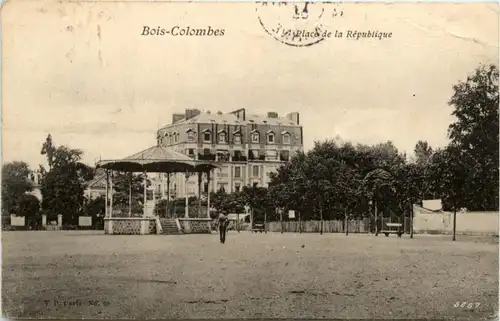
(92, 275)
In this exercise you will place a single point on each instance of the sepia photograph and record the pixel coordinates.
(249, 160)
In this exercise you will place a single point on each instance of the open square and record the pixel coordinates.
(87, 274)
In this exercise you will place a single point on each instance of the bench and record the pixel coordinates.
(393, 228)
(258, 228)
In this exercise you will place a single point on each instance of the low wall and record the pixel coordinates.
(468, 223)
(130, 225)
(195, 225)
(17, 220)
(334, 226)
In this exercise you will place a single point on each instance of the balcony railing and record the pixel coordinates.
(239, 159)
(206, 157)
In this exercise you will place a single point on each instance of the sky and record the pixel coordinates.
(83, 73)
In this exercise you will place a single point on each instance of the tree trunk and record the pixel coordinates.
(346, 223)
(265, 222)
(376, 219)
(321, 218)
(300, 223)
(454, 221)
(411, 220)
(281, 220)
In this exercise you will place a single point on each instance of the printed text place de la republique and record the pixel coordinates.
(324, 33)
(182, 31)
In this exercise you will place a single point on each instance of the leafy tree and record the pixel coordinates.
(126, 185)
(15, 184)
(29, 206)
(96, 206)
(422, 152)
(474, 136)
(62, 186)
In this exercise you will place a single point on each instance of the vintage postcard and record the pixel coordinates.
(253, 160)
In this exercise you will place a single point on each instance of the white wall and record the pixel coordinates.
(473, 223)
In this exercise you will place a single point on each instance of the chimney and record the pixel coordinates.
(239, 113)
(190, 113)
(293, 117)
(177, 117)
(272, 114)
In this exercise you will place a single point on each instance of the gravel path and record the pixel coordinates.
(92, 275)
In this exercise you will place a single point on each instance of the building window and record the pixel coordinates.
(237, 187)
(176, 137)
(237, 172)
(285, 155)
(222, 138)
(255, 184)
(255, 170)
(253, 154)
(286, 138)
(238, 157)
(207, 136)
(255, 137)
(191, 152)
(223, 156)
(205, 188)
(237, 138)
(190, 136)
(270, 138)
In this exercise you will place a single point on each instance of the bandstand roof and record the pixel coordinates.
(157, 159)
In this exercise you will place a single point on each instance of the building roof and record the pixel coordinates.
(231, 119)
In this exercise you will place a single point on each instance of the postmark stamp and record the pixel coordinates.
(294, 24)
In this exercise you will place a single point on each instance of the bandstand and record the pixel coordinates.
(156, 159)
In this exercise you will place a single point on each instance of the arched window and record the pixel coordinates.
(222, 137)
(190, 135)
(207, 135)
(237, 138)
(270, 137)
(286, 138)
(255, 137)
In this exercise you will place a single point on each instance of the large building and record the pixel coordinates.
(246, 147)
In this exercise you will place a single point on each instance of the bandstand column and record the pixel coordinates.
(106, 210)
(200, 176)
(154, 199)
(145, 193)
(111, 196)
(186, 213)
(208, 194)
(130, 195)
(168, 192)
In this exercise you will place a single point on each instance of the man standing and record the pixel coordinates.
(222, 221)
